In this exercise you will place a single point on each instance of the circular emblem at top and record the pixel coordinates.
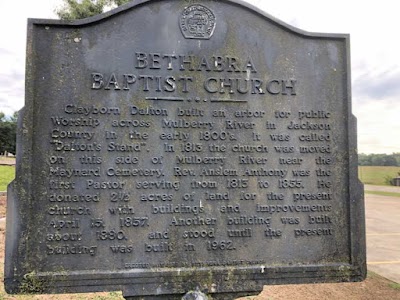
(197, 22)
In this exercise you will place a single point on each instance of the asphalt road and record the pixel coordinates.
(383, 232)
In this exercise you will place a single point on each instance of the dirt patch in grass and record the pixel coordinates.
(3, 207)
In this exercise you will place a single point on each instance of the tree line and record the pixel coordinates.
(379, 159)
(8, 133)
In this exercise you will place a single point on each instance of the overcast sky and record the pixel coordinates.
(375, 49)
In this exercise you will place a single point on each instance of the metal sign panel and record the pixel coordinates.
(169, 146)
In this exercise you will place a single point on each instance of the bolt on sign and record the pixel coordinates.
(172, 146)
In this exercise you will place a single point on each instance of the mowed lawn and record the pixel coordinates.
(7, 174)
(377, 175)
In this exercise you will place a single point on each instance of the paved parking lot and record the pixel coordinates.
(383, 232)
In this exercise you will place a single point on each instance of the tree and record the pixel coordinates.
(80, 9)
(364, 159)
(121, 2)
(379, 159)
(397, 157)
(390, 160)
(8, 133)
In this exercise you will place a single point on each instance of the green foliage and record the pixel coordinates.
(80, 9)
(121, 2)
(394, 285)
(8, 133)
(388, 179)
(379, 159)
(74, 10)
(377, 175)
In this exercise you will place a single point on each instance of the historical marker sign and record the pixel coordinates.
(169, 146)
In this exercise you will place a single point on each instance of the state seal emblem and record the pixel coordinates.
(197, 22)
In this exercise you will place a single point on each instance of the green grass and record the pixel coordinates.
(7, 174)
(377, 175)
(373, 275)
(395, 285)
(390, 194)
